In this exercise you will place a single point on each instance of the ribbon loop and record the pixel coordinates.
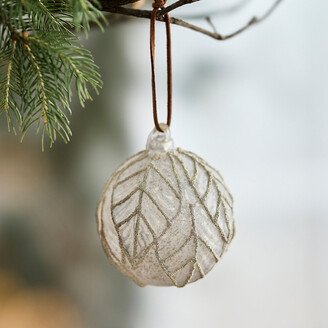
(157, 5)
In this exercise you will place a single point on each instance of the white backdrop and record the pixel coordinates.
(256, 108)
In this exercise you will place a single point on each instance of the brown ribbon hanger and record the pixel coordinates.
(158, 5)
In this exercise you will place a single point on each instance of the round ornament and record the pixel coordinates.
(165, 216)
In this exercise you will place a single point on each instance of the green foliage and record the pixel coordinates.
(41, 59)
(84, 12)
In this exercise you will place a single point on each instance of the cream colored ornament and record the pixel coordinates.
(165, 216)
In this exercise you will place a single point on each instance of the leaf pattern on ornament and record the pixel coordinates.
(194, 248)
(139, 214)
(172, 215)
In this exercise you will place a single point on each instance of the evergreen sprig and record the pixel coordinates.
(84, 12)
(40, 59)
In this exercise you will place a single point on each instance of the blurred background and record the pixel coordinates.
(255, 107)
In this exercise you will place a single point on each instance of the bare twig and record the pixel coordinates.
(108, 6)
(210, 23)
(176, 5)
(220, 12)
(116, 3)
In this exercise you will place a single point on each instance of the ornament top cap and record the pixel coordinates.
(160, 141)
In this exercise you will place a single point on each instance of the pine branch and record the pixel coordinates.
(40, 60)
(87, 12)
(5, 82)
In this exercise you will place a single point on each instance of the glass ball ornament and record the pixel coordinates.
(165, 216)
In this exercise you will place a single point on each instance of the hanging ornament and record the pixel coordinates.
(165, 216)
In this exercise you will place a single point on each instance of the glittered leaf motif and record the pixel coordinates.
(165, 218)
(211, 193)
(144, 203)
(196, 254)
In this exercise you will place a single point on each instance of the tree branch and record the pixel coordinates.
(116, 3)
(176, 5)
(220, 12)
(111, 7)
